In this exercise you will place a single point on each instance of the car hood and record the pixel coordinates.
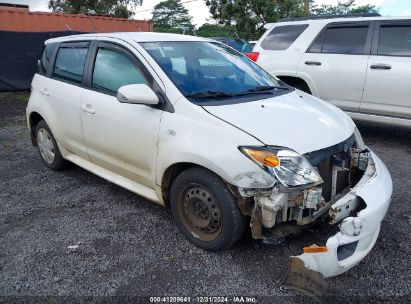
(296, 120)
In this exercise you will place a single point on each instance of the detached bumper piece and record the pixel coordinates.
(356, 237)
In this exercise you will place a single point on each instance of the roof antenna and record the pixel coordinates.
(68, 28)
(92, 22)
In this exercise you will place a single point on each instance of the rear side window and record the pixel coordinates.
(70, 63)
(282, 37)
(395, 41)
(46, 57)
(113, 70)
(341, 40)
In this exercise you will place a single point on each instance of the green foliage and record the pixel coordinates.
(216, 30)
(343, 8)
(249, 16)
(172, 17)
(114, 8)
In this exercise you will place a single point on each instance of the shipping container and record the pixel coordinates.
(23, 32)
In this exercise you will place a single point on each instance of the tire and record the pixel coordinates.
(205, 210)
(48, 148)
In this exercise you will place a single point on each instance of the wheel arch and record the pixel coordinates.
(34, 119)
(171, 173)
(297, 82)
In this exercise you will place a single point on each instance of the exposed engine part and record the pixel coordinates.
(359, 159)
(270, 206)
(282, 207)
(313, 198)
(340, 168)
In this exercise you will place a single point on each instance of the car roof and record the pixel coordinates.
(135, 36)
(332, 20)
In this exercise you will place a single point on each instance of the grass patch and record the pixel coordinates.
(22, 96)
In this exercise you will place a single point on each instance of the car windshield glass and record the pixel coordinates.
(211, 71)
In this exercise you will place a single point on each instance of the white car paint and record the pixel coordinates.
(102, 135)
(363, 229)
(345, 80)
(289, 114)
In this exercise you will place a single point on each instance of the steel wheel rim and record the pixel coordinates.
(46, 146)
(200, 213)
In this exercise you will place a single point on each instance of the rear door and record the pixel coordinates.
(120, 137)
(337, 62)
(388, 87)
(63, 92)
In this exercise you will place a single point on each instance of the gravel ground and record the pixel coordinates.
(127, 246)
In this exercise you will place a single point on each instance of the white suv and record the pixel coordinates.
(362, 65)
(192, 124)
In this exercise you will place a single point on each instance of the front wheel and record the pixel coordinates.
(205, 210)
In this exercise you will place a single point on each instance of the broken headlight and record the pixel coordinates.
(290, 168)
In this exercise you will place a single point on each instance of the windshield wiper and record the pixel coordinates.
(262, 89)
(209, 94)
(256, 90)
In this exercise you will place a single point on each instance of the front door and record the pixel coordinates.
(120, 137)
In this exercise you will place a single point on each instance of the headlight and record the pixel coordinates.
(290, 168)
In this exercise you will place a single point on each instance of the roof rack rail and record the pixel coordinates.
(329, 17)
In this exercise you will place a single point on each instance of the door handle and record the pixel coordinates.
(380, 66)
(313, 63)
(88, 109)
(44, 92)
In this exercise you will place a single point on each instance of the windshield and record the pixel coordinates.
(206, 71)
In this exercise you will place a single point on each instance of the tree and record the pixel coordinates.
(114, 8)
(216, 30)
(250, 16)
(343, 8)
(171, 16)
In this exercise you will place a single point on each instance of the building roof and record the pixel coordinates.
(20, 19)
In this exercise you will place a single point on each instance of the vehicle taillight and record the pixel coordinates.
(253, 56)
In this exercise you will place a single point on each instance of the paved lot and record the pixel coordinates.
(127, 246)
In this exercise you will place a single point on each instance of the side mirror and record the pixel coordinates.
(137, 94)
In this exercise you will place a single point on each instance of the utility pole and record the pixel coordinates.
(307, 7)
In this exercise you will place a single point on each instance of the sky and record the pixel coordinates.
(199, 11)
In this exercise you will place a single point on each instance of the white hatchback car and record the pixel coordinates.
(362, 64)
(192, 124)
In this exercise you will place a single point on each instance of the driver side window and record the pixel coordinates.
(112, 70)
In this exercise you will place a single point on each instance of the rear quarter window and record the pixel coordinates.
(46, 57)
(69, 64)
(282, 37)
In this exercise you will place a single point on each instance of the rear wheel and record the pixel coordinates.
(205, 210)
(48, 148)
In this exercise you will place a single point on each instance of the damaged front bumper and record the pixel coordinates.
(358, 234)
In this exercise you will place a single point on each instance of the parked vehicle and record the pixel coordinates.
(192, 124)
(362, 64)
(253, 42)
(237, 44)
